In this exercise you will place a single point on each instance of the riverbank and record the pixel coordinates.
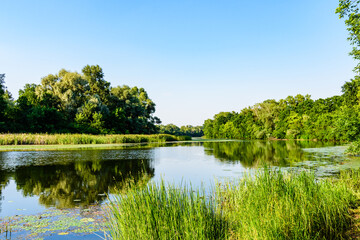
(267, 205)
(73, 139)
(101, 146)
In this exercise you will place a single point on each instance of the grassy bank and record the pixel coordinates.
(269, 205)
(71, 139)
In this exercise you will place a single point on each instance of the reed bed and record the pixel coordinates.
(273, 205)
(267, 205)
(64, 139)
(161, 211)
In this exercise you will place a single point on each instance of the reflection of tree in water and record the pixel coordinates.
(256, 153)
(4, 179)
(79, 182)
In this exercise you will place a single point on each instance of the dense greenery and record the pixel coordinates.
(188, 130)
(77, 102)
(299, 117)
(269, 205)
(349, 10)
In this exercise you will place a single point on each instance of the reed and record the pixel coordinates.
(267, 205)
(274, 205)
(161, 211)
(66, 139)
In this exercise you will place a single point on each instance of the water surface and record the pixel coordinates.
(33, 181)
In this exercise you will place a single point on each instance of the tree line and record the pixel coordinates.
(300, 117)
(83, 102)
(72, 102)
(187, 130)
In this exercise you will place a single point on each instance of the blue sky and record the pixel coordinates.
(194, 58)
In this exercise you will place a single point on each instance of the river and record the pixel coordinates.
(79, 182)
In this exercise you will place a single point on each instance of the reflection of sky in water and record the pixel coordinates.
(180, 164)
(191, 164)
(13, 202)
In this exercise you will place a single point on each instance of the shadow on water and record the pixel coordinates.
(3, 182)
(252, 154)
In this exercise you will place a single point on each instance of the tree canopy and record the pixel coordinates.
(349, 10)
(77, 102)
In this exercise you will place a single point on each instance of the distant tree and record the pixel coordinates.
(2, 94)
(3, 103)
(170, 129)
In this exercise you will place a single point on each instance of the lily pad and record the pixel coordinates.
(85, 220)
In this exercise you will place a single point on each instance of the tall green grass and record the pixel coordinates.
(353, 149)
(161, 211)
(49, 139)
(273, 205)
(267, 205)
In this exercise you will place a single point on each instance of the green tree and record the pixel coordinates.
(95, 77)
(66, 91)
(91, 116)
(3, 104)
(349, 10)
(136, 109)
(170, 129)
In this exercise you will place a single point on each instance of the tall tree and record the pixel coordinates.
(3, 103)
(349, 10)
(95, 77)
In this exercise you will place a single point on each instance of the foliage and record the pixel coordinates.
(77, 102)
(188, 130)
(3, 103)
(297, 117)
(349, 10)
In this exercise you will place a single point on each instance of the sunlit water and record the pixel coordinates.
(31, 182)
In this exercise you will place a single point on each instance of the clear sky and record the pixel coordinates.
(194, 58)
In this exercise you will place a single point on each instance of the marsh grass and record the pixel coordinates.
(267, 205)
(353, 149)
(66, 139)
(161, 211)
(274, 205)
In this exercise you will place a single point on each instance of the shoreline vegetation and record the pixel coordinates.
(74, 139)
(267, 205)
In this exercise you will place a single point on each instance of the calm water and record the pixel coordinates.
(31, 182)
